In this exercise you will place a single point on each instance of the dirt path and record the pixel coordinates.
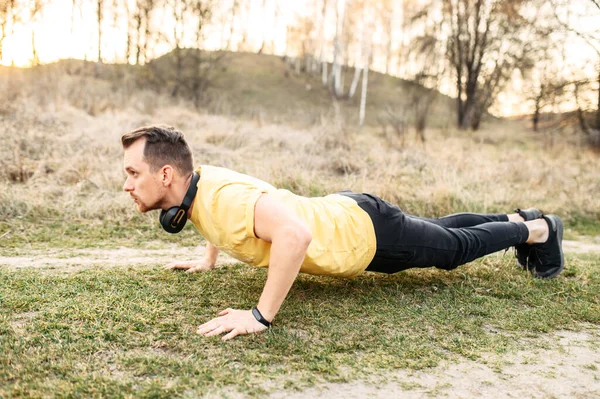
(78, 259)
(74, 260)
(570, 369)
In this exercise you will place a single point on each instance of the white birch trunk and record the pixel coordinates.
(390, 37)
(231, 24)
(99, 13)
(366, 60)
(337, 79)
(337, 67)
(360, 63)
(322, 57)
(363, 95)
(355, 80)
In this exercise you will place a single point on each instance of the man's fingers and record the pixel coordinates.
(195, 269)
(224, 312)
(206, 327)
(232, 334)
(216, 331)
(178, 266)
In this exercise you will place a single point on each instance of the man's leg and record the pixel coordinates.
(458, 220)
(405, 242)
(419, 243)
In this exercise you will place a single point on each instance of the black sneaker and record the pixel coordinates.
(547, 259)
(522, 250)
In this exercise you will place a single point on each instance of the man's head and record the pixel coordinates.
(155, 159)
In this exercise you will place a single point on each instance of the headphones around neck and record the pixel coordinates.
(173, 219)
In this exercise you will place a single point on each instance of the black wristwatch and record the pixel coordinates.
(259, 317)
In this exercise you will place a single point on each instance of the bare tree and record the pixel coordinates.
(363, 93)
(361, 61)
(366, 62)
(36, 10)
(129, 38)
(336, 68)
(262, 28)
(203, 63)
(186, 72)
(322, 46)
(100, 18)
(234, 9)
(9, 15)
(179, 9)
(593, 41)
(425, 52)
(488, 39)
(142, 23)
(384, 10)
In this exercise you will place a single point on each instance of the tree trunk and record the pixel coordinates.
(469, 111)
(355, 80)
(459, 100)
(359, 59)
(146, 21)
(598, 109)
(232, 24)
(322, 57)
(538, 108)
(334, 65)
(336, 68)
(138, 44)
(475, 119)
(262, 39)
(390, 34)
(129, 40)
(35, 60)
(536, 115)
(363, 95)
(100, 16)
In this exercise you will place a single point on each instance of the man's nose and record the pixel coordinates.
(127, 186)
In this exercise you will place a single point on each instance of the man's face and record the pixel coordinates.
(145, 187)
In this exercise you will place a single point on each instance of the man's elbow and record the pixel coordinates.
(299, 236)
(305, 236)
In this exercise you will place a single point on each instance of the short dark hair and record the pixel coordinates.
(164, 145)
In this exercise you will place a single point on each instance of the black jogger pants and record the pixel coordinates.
(405, 241)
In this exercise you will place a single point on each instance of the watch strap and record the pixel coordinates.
(259, 317)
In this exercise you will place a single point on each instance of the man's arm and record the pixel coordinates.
(289, 237)
(208, 263)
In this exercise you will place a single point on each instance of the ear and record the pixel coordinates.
(166, 174)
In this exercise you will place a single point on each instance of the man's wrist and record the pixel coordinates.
(259, 317)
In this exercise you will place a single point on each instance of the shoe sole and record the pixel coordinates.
(559, 233)
(530, 210)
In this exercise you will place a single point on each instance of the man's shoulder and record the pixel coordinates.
(219, 177)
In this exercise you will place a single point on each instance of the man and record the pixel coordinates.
(342, 234)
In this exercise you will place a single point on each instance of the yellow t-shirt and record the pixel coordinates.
(343, 238)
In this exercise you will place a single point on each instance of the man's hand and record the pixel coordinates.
(232, 321)
(191, 267)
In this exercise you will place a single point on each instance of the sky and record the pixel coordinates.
(62, 31)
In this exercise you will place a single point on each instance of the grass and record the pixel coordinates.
(131, 332)
(28, 234)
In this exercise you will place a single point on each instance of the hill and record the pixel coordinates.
(249, 85)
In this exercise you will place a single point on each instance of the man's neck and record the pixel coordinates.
(179, 190)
